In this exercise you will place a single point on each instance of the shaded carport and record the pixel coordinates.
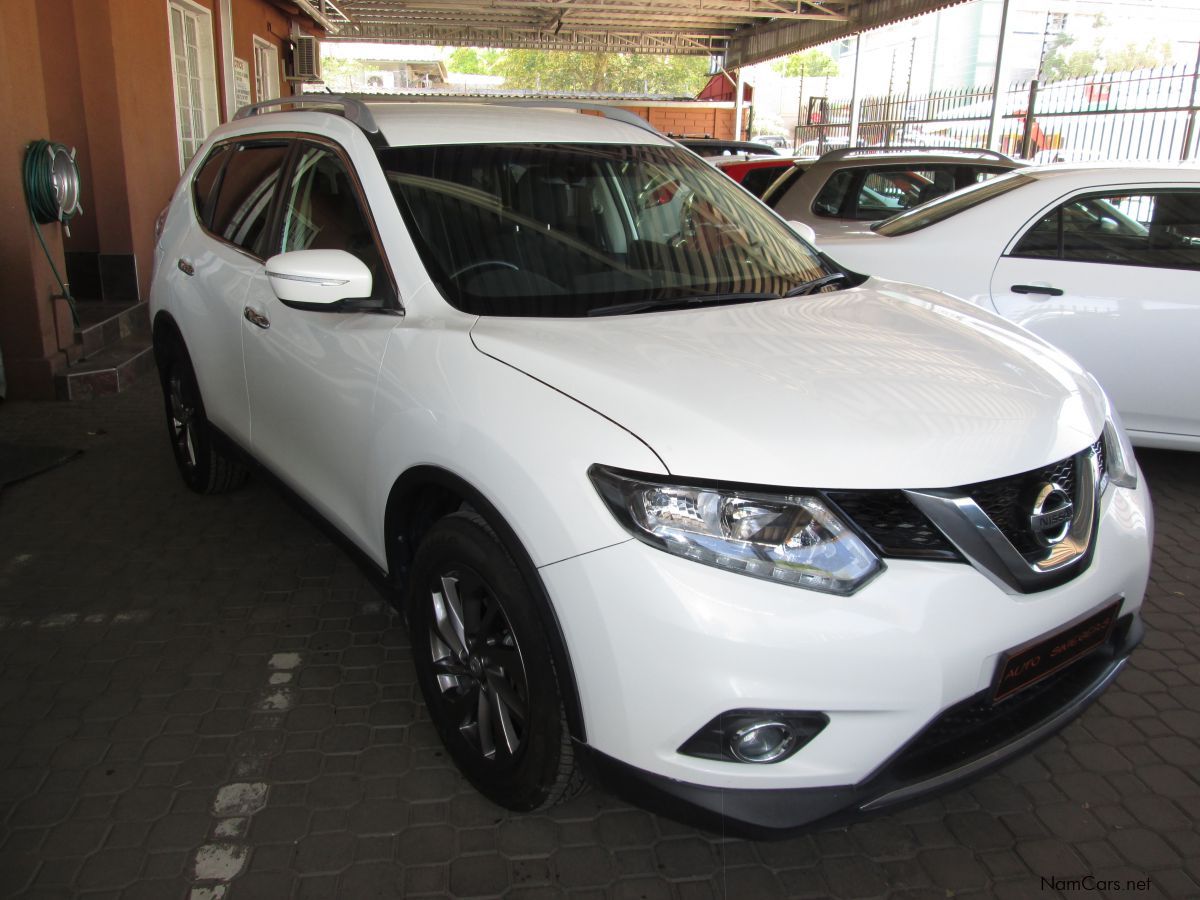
(735, 33)
(741, 32)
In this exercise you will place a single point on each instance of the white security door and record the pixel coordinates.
(266, 70)
(194, 76)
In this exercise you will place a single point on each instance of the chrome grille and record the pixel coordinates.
(892, 522)
(900, 529)
(1009, 500)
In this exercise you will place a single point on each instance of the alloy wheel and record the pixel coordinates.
(478, 666)
(183, 422)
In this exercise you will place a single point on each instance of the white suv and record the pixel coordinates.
(845, 190)
(665, 495)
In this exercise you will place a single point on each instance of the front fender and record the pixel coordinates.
(523, 445)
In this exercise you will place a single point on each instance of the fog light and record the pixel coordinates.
(755, 735)
(761, 742)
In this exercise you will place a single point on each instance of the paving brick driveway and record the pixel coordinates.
(203, 697)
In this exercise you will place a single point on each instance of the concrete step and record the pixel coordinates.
(108, 371)
(103, 325)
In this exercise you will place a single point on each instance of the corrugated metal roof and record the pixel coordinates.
(745, 31)
(452, 93)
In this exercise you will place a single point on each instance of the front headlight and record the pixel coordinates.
(1119, 462)
(791, 538)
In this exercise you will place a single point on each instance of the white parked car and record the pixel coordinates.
(845, 189)
(1101, 261)
(667, 498)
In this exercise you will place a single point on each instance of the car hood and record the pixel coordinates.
(882, 386)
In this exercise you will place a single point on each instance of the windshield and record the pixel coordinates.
(950, 205)
(560, 230)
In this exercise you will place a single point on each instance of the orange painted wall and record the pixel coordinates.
(68, 125)
(145, 104)
(27, 336)
(253, 18)
(101, 108)
(96, 75)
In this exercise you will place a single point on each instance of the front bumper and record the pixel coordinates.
(661, 645)
(961, 744)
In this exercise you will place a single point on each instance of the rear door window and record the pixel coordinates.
(758, 180)
(1159, 228)
(781, 185)
(244, 198)
(870, 193)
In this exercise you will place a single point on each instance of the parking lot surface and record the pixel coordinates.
(205, 697)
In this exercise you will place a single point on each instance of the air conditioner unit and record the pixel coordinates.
(305, 59)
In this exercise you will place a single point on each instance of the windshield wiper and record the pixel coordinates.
(816, 284)
(678, 303)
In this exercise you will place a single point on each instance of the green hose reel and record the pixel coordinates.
(52, 195)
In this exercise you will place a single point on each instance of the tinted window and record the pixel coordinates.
(205, 182)
(951, 204)
(870, 193)
(782, 185)
(758, 180)
(244, 198)
(559, 230)
(831, 199)
(1042, 240)
(322, 212)
(1148, 229)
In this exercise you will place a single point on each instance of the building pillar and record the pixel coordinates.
(103, 123)
(997, 107)
(149, 142)
(854, 109)
(28, 333)
(124, 47)
(739, 106)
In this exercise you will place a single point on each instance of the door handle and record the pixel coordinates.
(1036, 289)
(254, 317)
(185, 267)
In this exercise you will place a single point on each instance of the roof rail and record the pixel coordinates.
(846, 152)
(609, 112)
(350, 108)
(357, 112)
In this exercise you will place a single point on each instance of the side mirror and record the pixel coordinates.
(805, 231)
(318, 277)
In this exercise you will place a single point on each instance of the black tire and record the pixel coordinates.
(490, 685)
(205, 468)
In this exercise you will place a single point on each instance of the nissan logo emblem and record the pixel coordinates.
(1051, 518)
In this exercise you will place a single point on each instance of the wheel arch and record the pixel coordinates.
(421, 496)
(165, 330)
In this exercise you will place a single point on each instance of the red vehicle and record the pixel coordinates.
(754, 173)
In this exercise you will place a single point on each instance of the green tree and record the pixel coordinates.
(548, 71)
(616, 72)
(1059, 64)
(809, 62)
(343, 74)
(1103, 56)
(1132, 56)
(473, 61)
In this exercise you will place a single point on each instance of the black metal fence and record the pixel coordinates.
(1149, 114)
